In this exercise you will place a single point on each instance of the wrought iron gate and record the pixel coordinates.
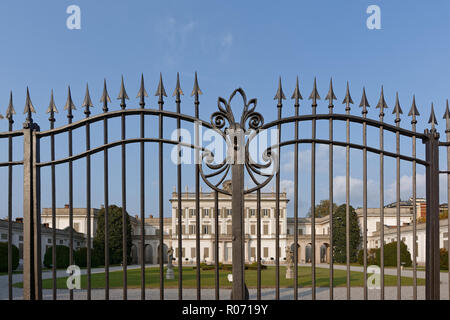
(239, 135)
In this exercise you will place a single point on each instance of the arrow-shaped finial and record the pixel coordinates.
(447, 112)
(296, 95)
(122, 95)
(105, 97)
(28, 105)
(10, 110)
(87, 103)
(397, 109)
(52, 106)
(160, 92)
(142, 92)
(330, 95)
(69, 103)
(196, 90)
(364, 102)
(280, 94)
(413, 111)
(178, 92)
(348, 98)
(382, 103)
(432, 119)
(314, 94)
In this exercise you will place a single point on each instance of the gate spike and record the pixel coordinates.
(160, 92)
(28, 105)
(52, 106)
(87, 99)
(142, 92)
(348, 98)
(397, 109)
(414, 112)
(447, 112)
(382, 103)
(196, 90)
(280, 94)
(432, 119)
(296, 94)
(330, 96)
(69, 103)
(105, 97)
(364, 103)
(122, 95)
(178, 90)
(10, 110)
(314, 94)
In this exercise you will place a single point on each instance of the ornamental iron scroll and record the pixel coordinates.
(238, 146)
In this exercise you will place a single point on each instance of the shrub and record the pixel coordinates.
(390, 255)
(80, 257)
(444, 259)
(4, 257)
(62, 257)
(371, 254)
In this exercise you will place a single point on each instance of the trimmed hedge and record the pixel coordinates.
(444, 259)
(4, 257)
(390, 255)
(80, 258)
(229, 267)
(62, 257)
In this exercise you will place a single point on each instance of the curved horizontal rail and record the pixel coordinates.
(343, 117)
(11, 163)
(118, 113)
(353, 146)
(115, 144)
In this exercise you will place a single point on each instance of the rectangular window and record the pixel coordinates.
(228, 228)
(206, 229)
(206, 213)
(61, 241)
(49, 240)
(20, 238)
(266, 252)
(266, 212)
(21, 250)
(191, 213)
(183, 252)
(192, 252)
(253, 229)
(191, 229)
(4, 236)
(266, 229)
(252, 212)
(300, 232)
(253, 253)
(228, 212)
(205, 253)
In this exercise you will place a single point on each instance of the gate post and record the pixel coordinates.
(432, 281)
(237, 171)
(32, 282)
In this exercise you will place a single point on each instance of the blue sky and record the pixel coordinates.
(230, 44)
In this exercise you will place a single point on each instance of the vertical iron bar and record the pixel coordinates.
(53, 190)
(178, 93)
(397, 138)
(347, 205)
(413, 122)
(330, 208)
(216, 243)
(70, 117)
(10, 173)
(447, 133)
(161, 199)
(142, 94)
(124, 206)
(313, 204)
(365, 201)
(37, 215)
(88, 203)
(277, 209)
(258, 243)
(432, 286)
(105, 100)
(382, 210)
(296, 205)
(196, 91)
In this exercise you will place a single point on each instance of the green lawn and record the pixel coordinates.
(208, 276)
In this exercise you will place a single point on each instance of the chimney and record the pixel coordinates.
(19, 220)
(151, 216)
(66, 206)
